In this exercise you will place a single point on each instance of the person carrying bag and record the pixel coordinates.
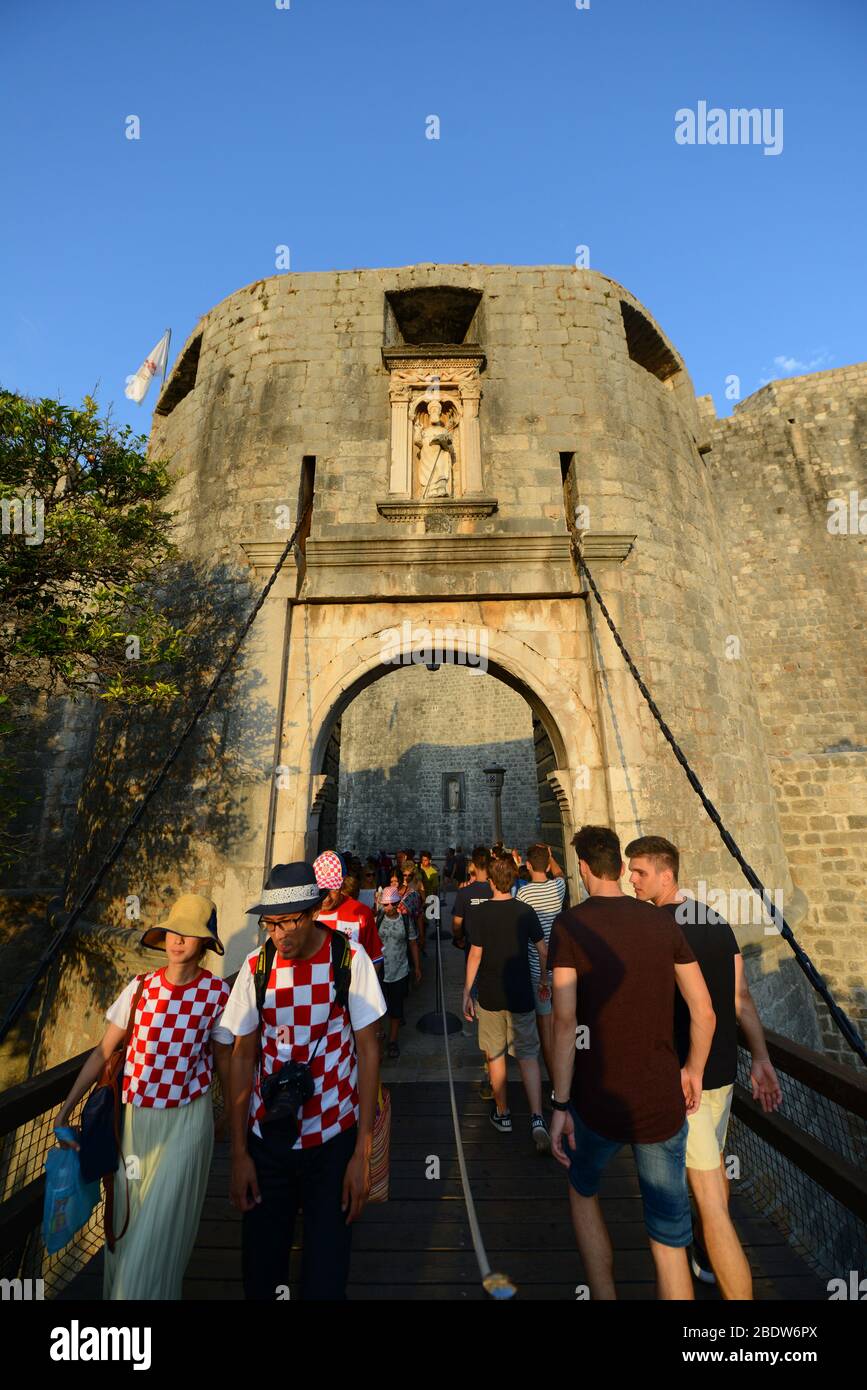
(154, 1066)
(101, 1126)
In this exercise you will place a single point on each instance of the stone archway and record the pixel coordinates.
(563, 713)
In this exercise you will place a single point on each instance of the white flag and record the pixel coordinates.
(137, 386)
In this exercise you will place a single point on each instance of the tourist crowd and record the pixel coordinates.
(631, 1003)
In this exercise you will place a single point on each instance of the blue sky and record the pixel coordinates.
(306, 127)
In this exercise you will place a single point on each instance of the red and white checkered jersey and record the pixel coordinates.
(355, 920)
(169, 1061)
(298, 1010)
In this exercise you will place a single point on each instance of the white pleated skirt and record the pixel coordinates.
(172, 1149)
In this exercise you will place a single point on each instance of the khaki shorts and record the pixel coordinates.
(502, 1031)
(707, 1129)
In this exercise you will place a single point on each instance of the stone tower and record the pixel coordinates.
(444, 420)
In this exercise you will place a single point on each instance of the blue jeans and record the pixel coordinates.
(661, 1177)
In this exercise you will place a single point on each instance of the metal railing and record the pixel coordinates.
(28, 1114)
(804, 1167)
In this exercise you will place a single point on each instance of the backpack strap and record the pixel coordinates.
(341, 967)
(262, 973)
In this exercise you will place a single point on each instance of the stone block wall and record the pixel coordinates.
(777, 463)
(403, 734)
(822, 798)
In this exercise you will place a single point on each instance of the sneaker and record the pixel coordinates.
(701, 1264)
(541, 1137)
(486, 1090)
(501, 1122)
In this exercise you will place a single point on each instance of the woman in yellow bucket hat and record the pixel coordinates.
(168, 1128)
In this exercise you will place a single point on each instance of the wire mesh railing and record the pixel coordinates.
(24, 1147)
(804, 1167)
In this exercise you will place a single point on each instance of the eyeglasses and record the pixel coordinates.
(272, 923)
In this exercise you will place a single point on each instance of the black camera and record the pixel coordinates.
(284, 1093)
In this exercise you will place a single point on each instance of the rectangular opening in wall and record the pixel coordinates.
(306, 492)
(306, 489)
(182, 380)
(567, 473)
(647, 347)
(433, 314)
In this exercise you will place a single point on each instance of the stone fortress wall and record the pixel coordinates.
(571, 395)
(779, 463)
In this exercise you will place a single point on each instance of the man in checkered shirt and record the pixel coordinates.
(326, 1171)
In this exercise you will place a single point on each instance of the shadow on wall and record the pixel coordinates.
(88, 975)
(404, 805)
(198, 815)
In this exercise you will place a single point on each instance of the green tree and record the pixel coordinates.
(84, 539)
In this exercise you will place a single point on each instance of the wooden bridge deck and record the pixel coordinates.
(417, 1245)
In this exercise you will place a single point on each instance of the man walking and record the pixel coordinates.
(500, 932)
(546, 896)
(476, 892)
(654, 864)
(615, 963)
(307, 1005)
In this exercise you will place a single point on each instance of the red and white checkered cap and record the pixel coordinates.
(328, 869)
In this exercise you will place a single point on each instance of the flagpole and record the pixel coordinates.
(166, 363)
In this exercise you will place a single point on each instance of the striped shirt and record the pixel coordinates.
(546, 899)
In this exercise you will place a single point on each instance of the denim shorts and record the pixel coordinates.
(661, 1177)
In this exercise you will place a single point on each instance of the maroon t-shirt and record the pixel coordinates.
(626, 1082)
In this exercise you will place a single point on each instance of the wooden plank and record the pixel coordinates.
(505, 1187)
(446, 1228)
(417, 1245)
(226, 1290)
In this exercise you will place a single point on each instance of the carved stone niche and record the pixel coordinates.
(435, 467)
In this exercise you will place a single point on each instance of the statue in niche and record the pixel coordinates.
(434, 440)
(453, 792)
